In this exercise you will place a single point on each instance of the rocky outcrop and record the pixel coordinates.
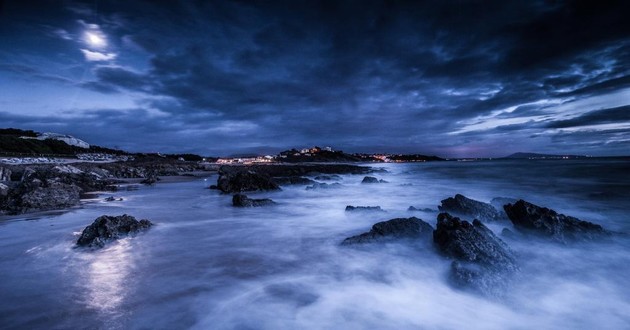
(240, 200)
(291, 180)
(108, 228)
(528, 218)
(482, 262)
(466, 207)
(399, 228)
(371, 179)
(351, 208)
(235, 182)
(53, 195)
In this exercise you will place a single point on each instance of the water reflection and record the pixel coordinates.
(107, 278)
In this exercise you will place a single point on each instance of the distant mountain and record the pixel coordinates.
(531, 155)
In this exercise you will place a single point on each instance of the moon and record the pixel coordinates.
(94, 39)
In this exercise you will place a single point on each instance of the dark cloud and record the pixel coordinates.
(405, 76)
(605, 116)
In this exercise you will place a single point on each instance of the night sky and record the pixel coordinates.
(452, 78)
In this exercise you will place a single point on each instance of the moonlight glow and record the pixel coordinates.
(95, 39)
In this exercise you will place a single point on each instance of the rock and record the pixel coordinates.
(293, 180)
(235, 182)
(108, 228)
(399, 228)
(240, 200)
(351, 208)
(332, 177)
(426, 209)
(371, 179)
(5, 174)
(463, 206)
(543, 222)
(150, 180)
(482, 262)
(113, 199)
(323, 186)
(54, 195)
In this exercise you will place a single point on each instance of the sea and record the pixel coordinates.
(208, 265)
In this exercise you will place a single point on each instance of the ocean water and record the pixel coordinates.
(207, 265)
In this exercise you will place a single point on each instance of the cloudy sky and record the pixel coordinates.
(452, 78)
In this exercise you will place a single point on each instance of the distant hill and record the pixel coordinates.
(531, 155)
(17, 142)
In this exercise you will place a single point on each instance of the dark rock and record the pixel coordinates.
(426, 209)
(240, 200)
(411, 228)
(371, 179)
(532, 219)
(463, 206)
(351, 208)
(150, 180)
(293, 180)
(108, 228)
(113, 199)
(235, 182)
(5, 174)
(332, 177)
(482, 262)
(323, 186)
(285, 170)
(213, 187)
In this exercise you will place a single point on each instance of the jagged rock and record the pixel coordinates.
(413, 208)
(293, 180)
(113, 199)
(532, 219)
(235, 182)
(351, 208)
(371, 179)
(411, 228)
(463, 206)
(482, 262)
(240, 200)
(323, 186)
(108, 228)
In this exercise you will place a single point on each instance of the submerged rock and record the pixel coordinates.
(107, 228)
(332, 177)
(293, 180)
(413, 228)
(532, 219)
(113, 199)
(464, 206)
(240, 200)
(235, 182)
(482, 262)
(323, 186)
(371, 179)
(351, 208)
(426, 209)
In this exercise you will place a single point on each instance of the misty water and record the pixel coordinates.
(208, 265)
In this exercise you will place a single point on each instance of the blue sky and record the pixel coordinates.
(455, 79)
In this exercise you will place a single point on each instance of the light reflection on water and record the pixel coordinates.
(208, 265)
